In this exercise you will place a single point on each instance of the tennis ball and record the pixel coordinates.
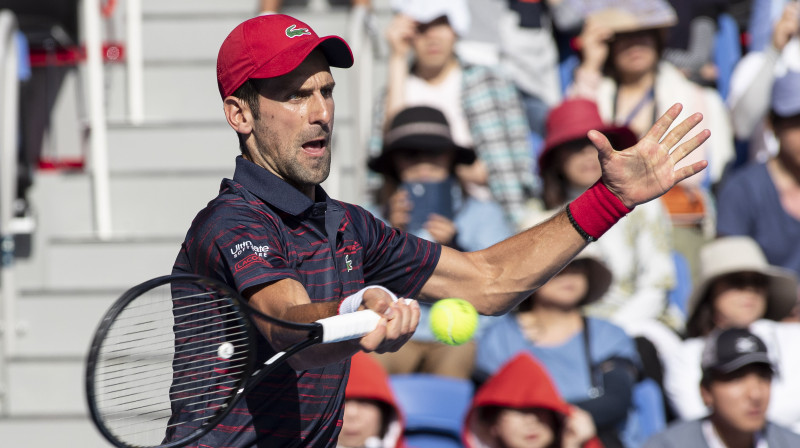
(453, 321)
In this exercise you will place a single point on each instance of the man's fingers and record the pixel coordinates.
(690, 170)
(663, 123)
(600, 141)
(688, 146)
(373, 340)
(680, 131)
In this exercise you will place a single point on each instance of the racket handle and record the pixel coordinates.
(349, 326)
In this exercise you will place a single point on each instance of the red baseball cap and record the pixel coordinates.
(272, 45)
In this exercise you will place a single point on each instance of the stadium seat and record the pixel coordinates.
(649, 404)
(434, 407)
(727, 51)
(679, 295)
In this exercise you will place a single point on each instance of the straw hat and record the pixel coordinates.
(738, 254)
(624, 16)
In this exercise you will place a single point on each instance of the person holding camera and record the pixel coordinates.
(422, 195)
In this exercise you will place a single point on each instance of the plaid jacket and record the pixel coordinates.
(500, 134)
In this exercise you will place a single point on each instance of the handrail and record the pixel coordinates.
(9, 132)
(134, 63)
(98, 139)
(365, 44)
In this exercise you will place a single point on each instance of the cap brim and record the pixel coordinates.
(335, 49)
(742, 361)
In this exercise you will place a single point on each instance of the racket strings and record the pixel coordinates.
(173, 357)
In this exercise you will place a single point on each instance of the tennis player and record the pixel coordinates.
(295, 253)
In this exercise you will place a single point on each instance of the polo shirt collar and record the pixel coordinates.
(272, 189)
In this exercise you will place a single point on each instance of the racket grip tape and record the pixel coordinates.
(349, 326)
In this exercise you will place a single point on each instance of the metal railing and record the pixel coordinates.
(9, 133)
(98, 139)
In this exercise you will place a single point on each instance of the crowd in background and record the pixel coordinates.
(480, 131)
(477, 136)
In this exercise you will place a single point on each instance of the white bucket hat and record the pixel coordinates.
(729, 255)
(426, 11)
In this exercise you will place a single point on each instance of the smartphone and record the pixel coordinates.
(427, 198)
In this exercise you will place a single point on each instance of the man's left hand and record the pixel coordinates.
(646, 170)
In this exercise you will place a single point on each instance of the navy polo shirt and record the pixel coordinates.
(259, 229)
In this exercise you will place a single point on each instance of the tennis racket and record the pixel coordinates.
(185, 342)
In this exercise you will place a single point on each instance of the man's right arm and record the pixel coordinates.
(288, 300)
(497, 278)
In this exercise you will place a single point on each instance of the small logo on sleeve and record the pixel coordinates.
(240, 248)
(348, 262)
(294, 32)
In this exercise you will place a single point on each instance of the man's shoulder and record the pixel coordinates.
(688, 434)
(781, 437)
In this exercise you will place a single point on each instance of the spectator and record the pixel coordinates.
(736, 387)
(520, 407)
(623, 71)
(638, 250)
(762, 200)
(529, 53)
(738, 288)
(372, 418)
(482, 107)
(274, 6)
(751, 84)
(425, 198)
(690, 42)
(593, 362)
(764, 14)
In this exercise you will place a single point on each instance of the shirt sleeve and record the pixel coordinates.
(238, 244)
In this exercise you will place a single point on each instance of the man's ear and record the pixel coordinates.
(705, 394)
(238, 114)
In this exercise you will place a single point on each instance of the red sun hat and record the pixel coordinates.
(572, 120)
(272, 45)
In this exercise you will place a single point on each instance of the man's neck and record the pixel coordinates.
(436, 75)
(637, 82)
(732, 437)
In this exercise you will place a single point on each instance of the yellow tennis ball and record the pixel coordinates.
(453, 321)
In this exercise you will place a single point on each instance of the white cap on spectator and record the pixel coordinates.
(426, 11)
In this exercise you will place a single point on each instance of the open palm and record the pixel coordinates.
(646, 170)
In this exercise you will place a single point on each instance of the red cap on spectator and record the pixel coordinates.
(272, 45)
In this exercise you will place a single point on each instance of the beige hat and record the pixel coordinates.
(624, 16)
(728, 255)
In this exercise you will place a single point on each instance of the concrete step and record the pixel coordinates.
(158, 147)
(45, 387)
(50, 430)
(142, 203)
(59, 325)
(94, 265)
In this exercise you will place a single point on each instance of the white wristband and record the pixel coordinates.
(351, 303)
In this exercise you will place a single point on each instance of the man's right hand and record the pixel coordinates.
(787, 26)
(400, 34)
(398, 322)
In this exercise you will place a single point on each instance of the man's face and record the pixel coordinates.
(422, 165)
(739, 400)
(434, 44)
(788, 134)
(635, 53)
(293, 134)
(524, 428)
(362, 420)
